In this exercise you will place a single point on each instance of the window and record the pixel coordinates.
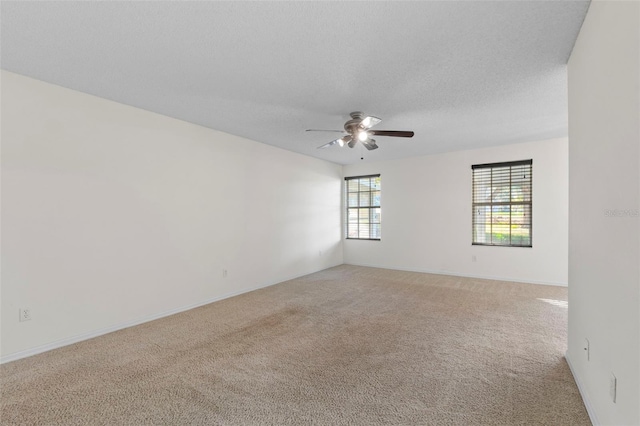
(363, 207)
(502, 204)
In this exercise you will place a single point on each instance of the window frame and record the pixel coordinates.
(370, 207)
(527, 204)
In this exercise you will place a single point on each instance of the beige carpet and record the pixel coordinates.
(349, 345)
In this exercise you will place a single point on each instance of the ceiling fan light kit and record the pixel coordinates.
(358, 129)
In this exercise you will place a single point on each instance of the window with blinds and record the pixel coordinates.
(502, 204)
(363, 207)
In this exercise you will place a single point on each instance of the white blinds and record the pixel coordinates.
(363, 207)
(502, 203)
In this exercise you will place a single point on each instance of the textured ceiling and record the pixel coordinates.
(461, 74)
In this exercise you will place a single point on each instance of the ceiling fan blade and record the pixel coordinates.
(326, 145)
(351, 142)
(357, 130)
(340, 142)
(369, 121)
(370, 144)
(395, 133)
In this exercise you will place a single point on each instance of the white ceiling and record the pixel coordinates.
(461, 74)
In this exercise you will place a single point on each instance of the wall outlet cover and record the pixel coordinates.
(586, 349)
(25, 314)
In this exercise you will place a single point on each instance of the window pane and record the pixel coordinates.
(352, 216)
(525, 188)
(353, 185)
(500, 174)
(375, 215)
(364, 231)
(375, 230)
(364, 215)
(521, 235)
(375, 198)
(365, 184)
(352, 230)
(375, 183)
(353, 200)
(516, 193)
(501, 193)
(521, 173)
(500, 236)
(500, 214)
(364, 199)
(482, 225)
(518, 216)
(481, 185)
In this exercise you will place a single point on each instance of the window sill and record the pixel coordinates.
(499, 245)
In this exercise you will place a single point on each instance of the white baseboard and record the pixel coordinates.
(89, 335)
(583, 393)
(95, 333)
(457, 274)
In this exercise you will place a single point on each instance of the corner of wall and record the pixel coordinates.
(583, 392)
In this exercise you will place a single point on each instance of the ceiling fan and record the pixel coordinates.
(358, 129)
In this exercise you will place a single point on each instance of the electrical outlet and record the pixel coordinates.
(25, 314)
(613, 384)
(586, 349)
(224, 273)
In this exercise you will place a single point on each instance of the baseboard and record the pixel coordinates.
(457, 274)
(90, 335)
(583, 393)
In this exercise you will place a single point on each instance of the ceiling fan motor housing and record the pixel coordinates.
(357, 130)
(351, 126)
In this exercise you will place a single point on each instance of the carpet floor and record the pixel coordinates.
(348, 345)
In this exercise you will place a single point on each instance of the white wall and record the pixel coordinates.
(604, 251)
(426, 216)
(112, 215)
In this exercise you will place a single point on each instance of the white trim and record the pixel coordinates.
(583, 393)
(91, 334)
(457, 274)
